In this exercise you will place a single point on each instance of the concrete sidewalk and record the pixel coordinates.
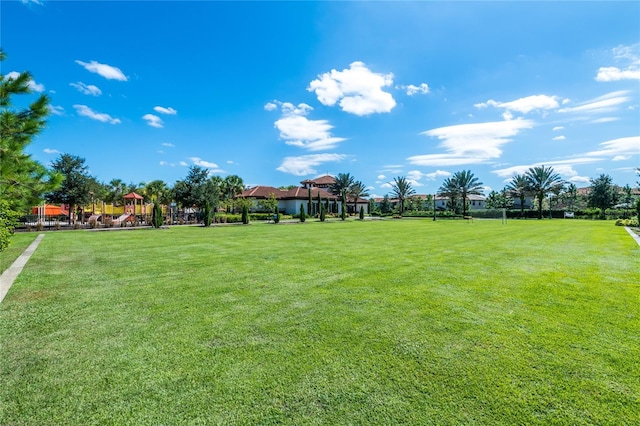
(9, 276)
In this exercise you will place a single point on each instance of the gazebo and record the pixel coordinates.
(131, 202)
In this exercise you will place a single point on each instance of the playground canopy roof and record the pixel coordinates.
(133, 196)
(50, 210)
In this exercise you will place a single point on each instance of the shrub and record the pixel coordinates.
(8, 222)
(361, 213)
(303, 216)
(323, 213)
(207, 214)
(93, 223)
(156, 216)
(245, 214)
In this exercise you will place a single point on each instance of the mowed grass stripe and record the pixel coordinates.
(408, 321)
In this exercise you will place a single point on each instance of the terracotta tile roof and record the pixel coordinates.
(322, 180)
(262, 192)
(303, 193)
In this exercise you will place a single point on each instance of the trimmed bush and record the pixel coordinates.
(361, 213)
(303, 216)
(245, 215)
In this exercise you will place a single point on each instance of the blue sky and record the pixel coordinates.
(277, 92)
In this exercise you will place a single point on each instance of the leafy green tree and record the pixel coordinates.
(269, 204)
(76, 186)
(542, 181)
(157, 190)
(197, 190)
(323, 213)
(570, 195)
(519, 188)
(602, 194)
(343, 204)
(303, 215)
(357, 190)
(361, 213)
(23, 181)
(206, 216)
(401, 189)
(499, 200)
(385, 205)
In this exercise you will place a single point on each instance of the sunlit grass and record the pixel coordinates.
(404, 321)
(19, 242)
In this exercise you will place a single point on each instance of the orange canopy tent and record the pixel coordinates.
(49, 210)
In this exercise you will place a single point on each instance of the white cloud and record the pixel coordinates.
(100, 116)
(31, 84)
(87, 89)
(56, 110)
(411, 90)
(382, 177)
(579, 179)
(437, 174)
(386, 185)
(304, 164)
(163, 110)
(559, 138)
(604, 103)
(107, 71)
(168, 144)
(298, 130)
(153, 120)
(471, 143)
(524, 105)
(357, 90)
(555, 129)
(605, 120)
(183, 163)
(620, 157)
(206, 164)
(560, 166)
(38, 2)
(414, 175)
(50, 151)
(616, 147)
(615, 74)
(270, 106)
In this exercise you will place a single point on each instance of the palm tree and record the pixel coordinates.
(156, 190)
(357, 190)
(343, 182)
(543, 180)
(468, 184)
(402, 189)
(518, 187)
(451, 190)
(232, 185)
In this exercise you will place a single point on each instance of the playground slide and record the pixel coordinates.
(94, 217)
(122, 218)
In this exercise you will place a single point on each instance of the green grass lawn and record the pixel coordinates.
(19, 242)
(387, 322)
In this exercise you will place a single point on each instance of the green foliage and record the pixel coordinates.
(499, 200)
(245, 214)
(602, 194)
(269, 204)
(361, 213)
(197, 189)
(323, 213)
(303, 215)
(8, 222)
(632, 222)
(76, 187)
(542, 181)
(23, 180)
(157, 220)
(401, 189)
(357, 190)
(309, 202)
(385, 205)
(207, 214)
